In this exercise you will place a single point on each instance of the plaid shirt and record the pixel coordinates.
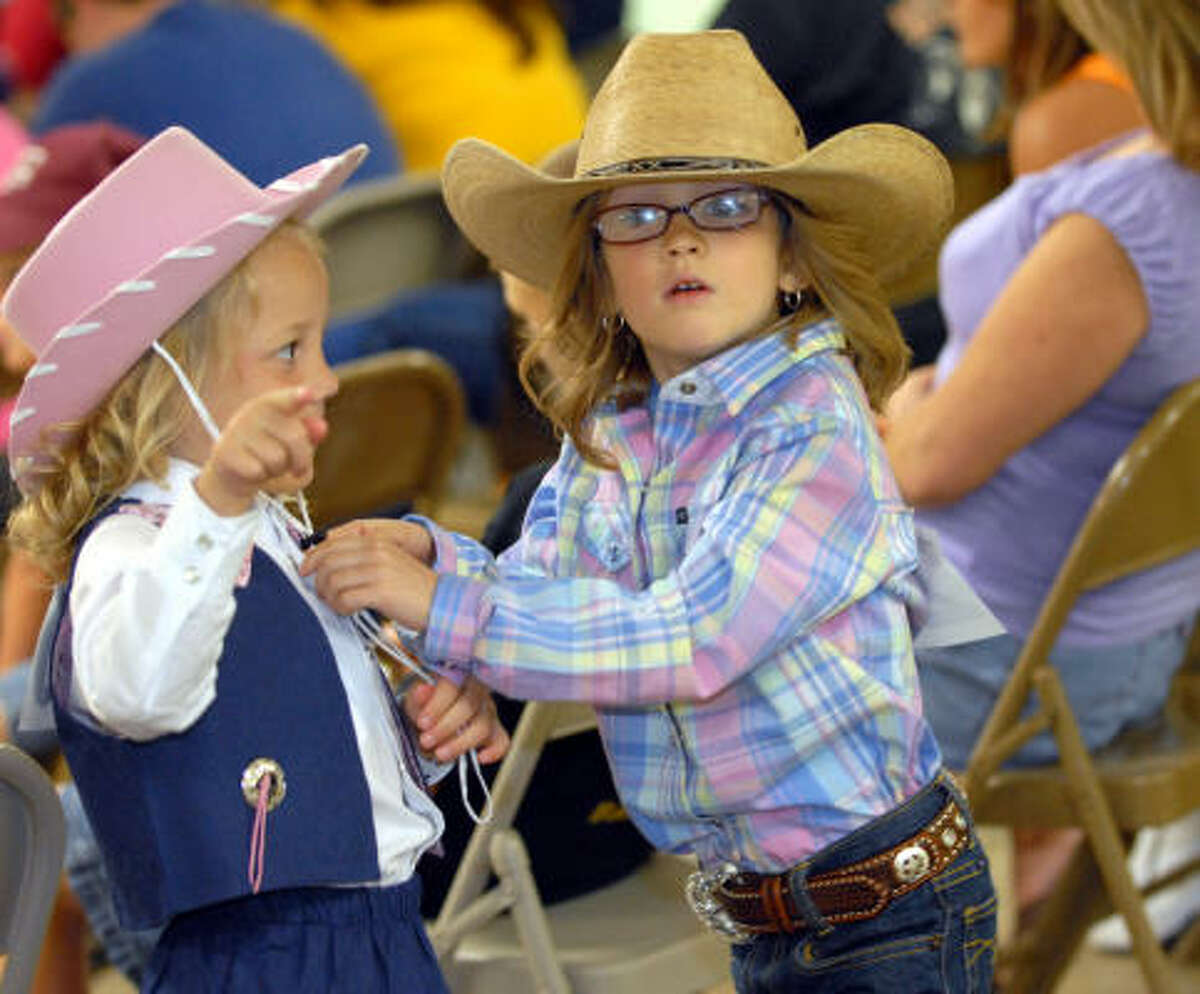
(731, 598)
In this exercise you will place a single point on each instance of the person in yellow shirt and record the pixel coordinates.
(441, 70)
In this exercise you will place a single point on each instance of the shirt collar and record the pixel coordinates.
(736, 375)
(180, 473)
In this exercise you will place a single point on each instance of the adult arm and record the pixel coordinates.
(1069, 118)
(1064, 323)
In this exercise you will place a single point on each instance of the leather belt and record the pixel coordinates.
(740, 905)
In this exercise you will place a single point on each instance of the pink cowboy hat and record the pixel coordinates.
(128, 261)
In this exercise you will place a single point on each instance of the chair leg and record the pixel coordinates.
(1187, 946)
(1103, 837)
(510, 859)
(1045, 948)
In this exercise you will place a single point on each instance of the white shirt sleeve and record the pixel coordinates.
(150, 607)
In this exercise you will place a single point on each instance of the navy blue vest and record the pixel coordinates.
(170, 815)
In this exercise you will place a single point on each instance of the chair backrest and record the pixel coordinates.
(1146, 513)
(385, 236)
(394, 429)
(32, 840)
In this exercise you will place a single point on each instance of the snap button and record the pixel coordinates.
(910, 863)
(687, 388)
(253, 773)
(191, 574)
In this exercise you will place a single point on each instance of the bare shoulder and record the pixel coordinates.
(1066, 119)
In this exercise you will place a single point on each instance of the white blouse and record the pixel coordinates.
(150, 606)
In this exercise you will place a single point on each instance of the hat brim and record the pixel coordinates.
(82, 363)
(885, 182)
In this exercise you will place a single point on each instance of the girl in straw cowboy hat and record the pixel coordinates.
(720, 560)
(236, 748)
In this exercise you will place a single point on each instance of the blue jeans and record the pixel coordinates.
(936, 939)
(1109, 688)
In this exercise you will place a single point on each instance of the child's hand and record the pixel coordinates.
(369, 564)
(451, 720)
(268, 444)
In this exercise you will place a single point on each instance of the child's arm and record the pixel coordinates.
(800, 532)
(149, 609)
(150, 606)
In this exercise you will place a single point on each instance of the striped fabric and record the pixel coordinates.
(732, 599)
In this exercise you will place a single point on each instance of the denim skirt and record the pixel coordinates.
(312, 940)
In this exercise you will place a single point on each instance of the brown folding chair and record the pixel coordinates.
(32, 841)
(1146, 513)
(385, 236)
(394, 429)
(631, 936)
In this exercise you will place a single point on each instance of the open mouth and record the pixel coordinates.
(688, 288)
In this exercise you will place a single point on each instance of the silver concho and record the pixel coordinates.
(911, 863)
(254, 772)
(700, 891)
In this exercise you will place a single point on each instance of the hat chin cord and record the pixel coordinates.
(365, 622)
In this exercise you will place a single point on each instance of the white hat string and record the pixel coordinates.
(395, 645)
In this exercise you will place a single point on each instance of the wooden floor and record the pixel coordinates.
(1092, 973)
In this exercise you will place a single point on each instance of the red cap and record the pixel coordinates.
(53, 173)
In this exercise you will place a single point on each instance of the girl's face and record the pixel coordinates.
(280, 348)
(985, 30)
(691, 293)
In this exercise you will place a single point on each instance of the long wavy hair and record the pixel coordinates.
(586, 354)
(132, 431)
(1156, 42)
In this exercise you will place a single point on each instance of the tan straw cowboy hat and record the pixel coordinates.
(679, 107)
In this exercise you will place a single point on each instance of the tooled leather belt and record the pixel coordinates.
(741, 905)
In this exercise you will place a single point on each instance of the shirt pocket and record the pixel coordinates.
(606, 535)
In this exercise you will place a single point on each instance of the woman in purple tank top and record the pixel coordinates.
(1073, 311)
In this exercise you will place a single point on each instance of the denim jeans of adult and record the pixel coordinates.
(1110, 688)
(936, 939)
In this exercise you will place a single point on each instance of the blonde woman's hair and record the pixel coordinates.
(130, 434)
(1044, 48)
(1156, 42)
(586, 353)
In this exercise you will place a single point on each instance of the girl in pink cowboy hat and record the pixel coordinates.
(720, 561)
(238, 752)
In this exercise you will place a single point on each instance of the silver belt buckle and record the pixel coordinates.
(700, 890)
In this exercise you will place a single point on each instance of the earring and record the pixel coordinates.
(614, 323)
(789, 302)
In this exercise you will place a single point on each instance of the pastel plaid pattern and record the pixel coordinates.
(732, 598)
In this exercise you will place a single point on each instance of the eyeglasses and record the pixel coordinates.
(724, 210)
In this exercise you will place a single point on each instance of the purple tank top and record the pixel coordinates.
(1009, 536)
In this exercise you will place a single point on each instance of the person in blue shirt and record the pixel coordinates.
(261, 93)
